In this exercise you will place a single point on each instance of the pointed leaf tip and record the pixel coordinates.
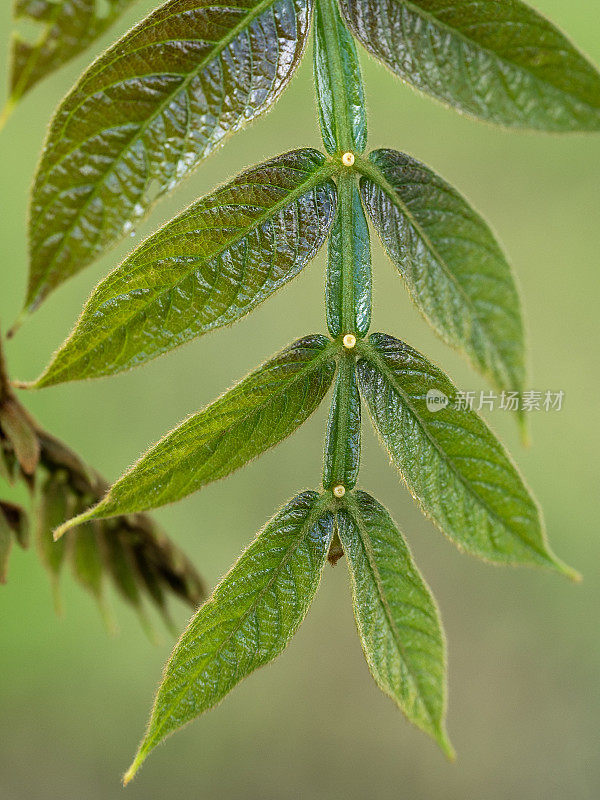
(130, 774)
(396, 615)
(72, 523)
(564, 569)
(234, 632)
(446, 745)
(436, 454)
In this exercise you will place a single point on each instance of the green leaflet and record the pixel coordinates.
(54, 509)
(67, 28)
(207, 268)
(453, 268)
(247, 622)
(500, 61)
(349, 267)
(256, 414)
(143, 116)
(396, 615)
(450, 460)
(342, 445)
(338, 83)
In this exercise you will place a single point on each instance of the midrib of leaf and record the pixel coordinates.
(329, 13)
(473, 43)
(319, 507)
(373, 355)
(368, 551)
(139, 133)
(103, 508)
(320, 176)
(282, 388)
(374, 173)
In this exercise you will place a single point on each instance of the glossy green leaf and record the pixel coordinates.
(143, 116)
(349, 268)
(497, 60)
(65, 29)
(256, 414)
(342, 445)
(396, 615)
(338, 82)
(206, 268)
(247, 622)
(452, 266)
(451, 462)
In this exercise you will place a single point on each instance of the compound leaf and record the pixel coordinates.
(450, 460)
(67, 28)
(247, 622)
(144, 115)
(499, 61)
(396, 615)
(207, 268)
(256, 414)
(451, 264)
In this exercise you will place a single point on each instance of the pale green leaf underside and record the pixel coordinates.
(453, 267)
(256, 414)
(143, 116)
(65, 29)
(451, 462)
(498, 60)
(204, 269)
(395, 614)
(249, 619)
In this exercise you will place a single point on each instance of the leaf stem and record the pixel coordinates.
(336, 96)
(345, 185)
(327, 9)
(339, 432)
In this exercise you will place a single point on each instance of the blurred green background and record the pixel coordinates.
(524, 649)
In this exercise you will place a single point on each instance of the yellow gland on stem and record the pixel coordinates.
(339, 491)
(348, 159)
(349, 341)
